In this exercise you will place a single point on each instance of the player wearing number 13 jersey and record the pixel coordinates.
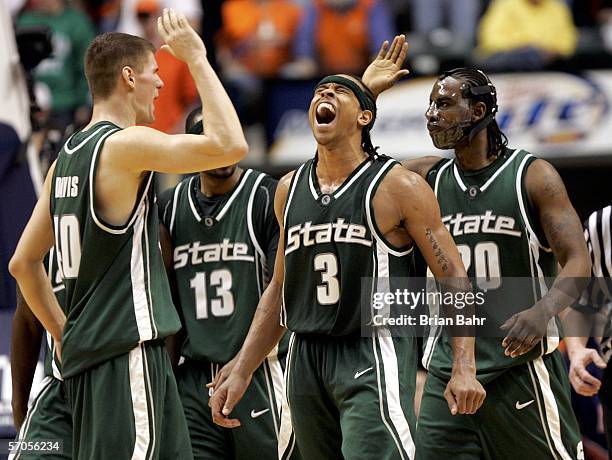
(221, 243)
(344, 222)
(511, 219)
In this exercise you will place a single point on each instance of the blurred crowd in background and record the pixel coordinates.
(254, 42)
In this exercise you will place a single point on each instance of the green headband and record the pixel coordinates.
(365, 98)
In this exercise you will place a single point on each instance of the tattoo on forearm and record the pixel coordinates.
(440, 257)
(561, 228)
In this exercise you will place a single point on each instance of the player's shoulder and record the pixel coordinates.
(401, 179)
(422, 165)
(267, 181)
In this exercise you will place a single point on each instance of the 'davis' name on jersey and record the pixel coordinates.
(66, 187)
(307, 234)
(458, 224)
(215, 252)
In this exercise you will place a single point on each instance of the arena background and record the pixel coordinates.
(562, 113)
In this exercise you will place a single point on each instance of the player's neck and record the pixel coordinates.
(114, 110)
(472, 156)
(336, 163)
(216, 186)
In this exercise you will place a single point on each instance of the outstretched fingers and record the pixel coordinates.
(382, 52)
(396, 48)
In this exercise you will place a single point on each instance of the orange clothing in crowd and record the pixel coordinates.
(259, 34)
(342, 37)
(177, 95)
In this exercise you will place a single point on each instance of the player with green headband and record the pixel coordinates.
(349, 216)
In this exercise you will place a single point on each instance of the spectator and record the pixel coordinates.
(257, 35)
(526, 34)
(62, 72)
(179, 92)
(254, 43)
(128, 20)
(340, 36)
(461, 17)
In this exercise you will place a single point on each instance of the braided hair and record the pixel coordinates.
(366, 140)
(474, 78)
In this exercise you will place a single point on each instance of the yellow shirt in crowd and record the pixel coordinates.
(511, 24)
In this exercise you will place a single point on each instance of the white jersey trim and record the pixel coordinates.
(121, 229)
(232, 198)
(174, 205)
(368, 199)
(140, 406)
(70, 151)
(191, 203)
(140, 297)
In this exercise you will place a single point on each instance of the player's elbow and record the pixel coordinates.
(17, 266)
(238, 150)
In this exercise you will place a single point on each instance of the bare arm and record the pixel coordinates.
(265, 331)
(564, 233)
(26, 338)
(26, 266)
(421, 165)
(420, 214)
(139, 148)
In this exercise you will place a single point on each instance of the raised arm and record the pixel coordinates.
(563, 231)
(139, 148)
(26, 337)
(265, 332)
(419, 215)
(26, 266)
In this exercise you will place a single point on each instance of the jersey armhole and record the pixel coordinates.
(371, 215)
(525, 204)
(140, 196)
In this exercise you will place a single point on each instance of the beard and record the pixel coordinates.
(221, 173)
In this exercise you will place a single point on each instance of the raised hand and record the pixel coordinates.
(386, 69)
(179, 37)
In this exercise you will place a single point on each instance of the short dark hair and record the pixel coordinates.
(192, 121)
(474, 78)
(107, 55)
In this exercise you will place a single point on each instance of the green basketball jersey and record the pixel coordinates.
(219, 265)
(117, 292)
(332, 246)
(499, 238)
(57, 283)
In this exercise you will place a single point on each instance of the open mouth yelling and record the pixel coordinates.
(325, 114)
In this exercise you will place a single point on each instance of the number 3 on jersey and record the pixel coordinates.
(328, 293)
(223, 305)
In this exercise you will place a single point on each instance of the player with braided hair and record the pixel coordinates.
(512, 220)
